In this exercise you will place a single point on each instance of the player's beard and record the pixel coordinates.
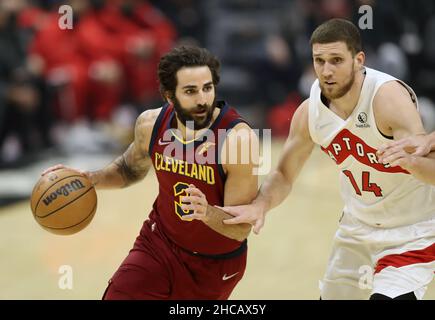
(340, 92)
(199, 122)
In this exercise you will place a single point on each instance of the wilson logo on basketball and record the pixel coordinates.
(65, 190)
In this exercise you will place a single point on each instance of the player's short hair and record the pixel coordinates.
(335, 30)
(185, 56)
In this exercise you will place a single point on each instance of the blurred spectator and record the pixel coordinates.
(23, 111)
(280, 116)
(189, 18)
(261, 66)
(109, 57)
(79, 65)
(142, 34)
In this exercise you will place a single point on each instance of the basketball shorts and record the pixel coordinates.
(156, 268)
(367, 260)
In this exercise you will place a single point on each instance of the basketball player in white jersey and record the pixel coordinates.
(413, 154)
(388, 221)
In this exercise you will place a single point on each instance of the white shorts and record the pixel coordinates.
(367, 260)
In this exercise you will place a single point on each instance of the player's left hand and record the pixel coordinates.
(196, 201)
(418, 145)
(399, 158)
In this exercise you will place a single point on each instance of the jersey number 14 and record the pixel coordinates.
(367, 186)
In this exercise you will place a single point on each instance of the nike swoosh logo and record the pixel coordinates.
(163, 143)
(225, 277)
(205, 146)
(321, 126)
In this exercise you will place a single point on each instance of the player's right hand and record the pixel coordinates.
(61, 166)
(251, 213)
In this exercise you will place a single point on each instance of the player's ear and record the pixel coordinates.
(168, 97)
(360, 59)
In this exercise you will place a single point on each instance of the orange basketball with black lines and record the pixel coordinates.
(63, 201)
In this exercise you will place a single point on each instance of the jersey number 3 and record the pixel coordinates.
(179, 191)
(367, 186)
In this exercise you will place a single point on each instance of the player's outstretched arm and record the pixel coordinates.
(240, 155)
(279, 183)
(132, 165)
(397, 115)
(418, 145)
(423, 168)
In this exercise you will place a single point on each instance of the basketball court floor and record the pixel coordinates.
(285, 261)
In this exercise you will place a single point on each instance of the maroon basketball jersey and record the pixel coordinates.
(178, 164)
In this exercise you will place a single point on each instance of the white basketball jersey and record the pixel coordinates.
(377, 194)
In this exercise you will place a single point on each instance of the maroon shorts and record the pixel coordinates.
(156, 268)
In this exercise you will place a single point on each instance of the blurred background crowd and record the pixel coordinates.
(80, 89)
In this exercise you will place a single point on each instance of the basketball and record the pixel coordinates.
(63, 201)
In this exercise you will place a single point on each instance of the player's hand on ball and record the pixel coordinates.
(61, 166)
(63, 201)
(251, 213)
(418, 145)
(195, 201)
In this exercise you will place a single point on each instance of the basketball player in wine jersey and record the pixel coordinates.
(184, 251)
(388, 221)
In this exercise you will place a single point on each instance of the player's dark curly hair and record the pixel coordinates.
(184, 56)
(335, 30)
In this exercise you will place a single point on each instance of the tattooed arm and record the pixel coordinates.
(130, 167)
(133, 165)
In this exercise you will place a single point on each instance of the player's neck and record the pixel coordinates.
(345, 105)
